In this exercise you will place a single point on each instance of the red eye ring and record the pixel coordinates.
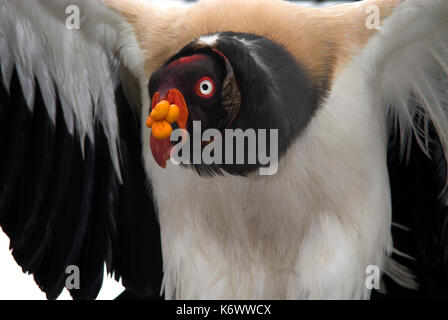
(205, 87)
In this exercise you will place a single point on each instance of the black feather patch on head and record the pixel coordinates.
(276, 90)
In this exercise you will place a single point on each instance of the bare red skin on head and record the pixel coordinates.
(161, 148)
(187, 60)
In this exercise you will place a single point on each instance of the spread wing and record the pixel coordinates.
(72, 186)
(406, 66)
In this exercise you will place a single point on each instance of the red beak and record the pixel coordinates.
(161, 148)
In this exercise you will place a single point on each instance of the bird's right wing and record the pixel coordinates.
(72, 186)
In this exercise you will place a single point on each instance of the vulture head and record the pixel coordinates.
(244, 71)
(234, 81)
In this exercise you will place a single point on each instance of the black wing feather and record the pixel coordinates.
(60, 206)
(419, 203)
(135, 213)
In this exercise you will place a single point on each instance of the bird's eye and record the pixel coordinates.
(205, 87)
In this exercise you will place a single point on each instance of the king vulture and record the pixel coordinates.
(357, 94)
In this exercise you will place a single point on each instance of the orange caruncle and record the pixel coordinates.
(160, 118)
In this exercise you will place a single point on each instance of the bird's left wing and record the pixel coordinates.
(72, 186)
